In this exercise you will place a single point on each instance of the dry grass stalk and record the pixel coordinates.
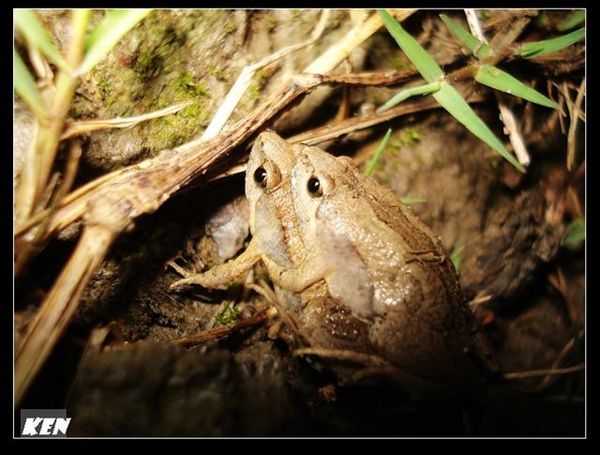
(575, 112)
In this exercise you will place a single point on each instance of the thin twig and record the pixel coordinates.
(86, 126)
(538, 373)
(343, 355)
(223, 331)
(574, 112)
(479, 299)
(561, 358)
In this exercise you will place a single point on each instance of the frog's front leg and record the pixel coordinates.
(297, 278)
(221, 275)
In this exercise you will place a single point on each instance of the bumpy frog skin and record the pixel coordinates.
(360, 278)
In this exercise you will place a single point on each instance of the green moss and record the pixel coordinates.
(398, 63)
(216, 72)
(159, 77)
(260, 77)
(104, 87)
(543, 20)
(407, 137)
(160, 43)
(437, 161)
(186, 83)
(254, 91)
(314, 362)
(484, 15)
(495, 160)
(230, 27)
(175, 129)
(75, 110)
(272, 22)
(116, 89)
(148, 65)
(229, 315)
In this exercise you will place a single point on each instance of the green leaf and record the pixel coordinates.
(412, 200)
(537, 48)
(36, 35)
(405, 94)
(380, 149)
(575, 232)
(419, 57)
(451, 100)
(500, 80)
(477, 47)
(573, 20)
(108, 33)
(26, 87)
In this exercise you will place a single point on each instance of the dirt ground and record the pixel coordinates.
(116, 369)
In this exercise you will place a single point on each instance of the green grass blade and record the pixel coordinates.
(537, 48)
(419, 57)
(500, 80)
(456, 255)
(451, 100)
(108, 33)
(380, 149)
(477, 47)
(26, 87)
(573, 20)
(412, 200)
(36, 35)
(575, 232)
(405, 94)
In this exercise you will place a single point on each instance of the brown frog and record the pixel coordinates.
(359, 278)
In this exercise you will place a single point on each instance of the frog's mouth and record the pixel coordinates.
(268, 232)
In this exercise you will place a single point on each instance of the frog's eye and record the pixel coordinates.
(267, 175)
(314, 187)
(260, 176)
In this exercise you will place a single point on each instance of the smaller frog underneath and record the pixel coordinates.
(364, 284)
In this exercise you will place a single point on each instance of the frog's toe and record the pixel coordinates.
(184, 282)
(206, 280)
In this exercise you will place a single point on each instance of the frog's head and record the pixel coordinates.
(269, 166)
(317, 177)
(267, 188)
